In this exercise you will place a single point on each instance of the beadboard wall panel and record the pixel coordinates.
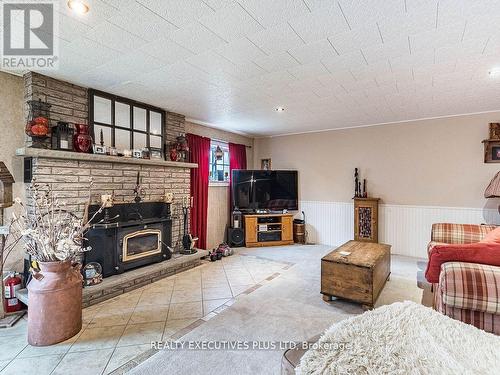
(406, 228)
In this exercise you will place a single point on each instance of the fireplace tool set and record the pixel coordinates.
(188, 241)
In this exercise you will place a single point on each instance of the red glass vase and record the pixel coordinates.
(82, 141)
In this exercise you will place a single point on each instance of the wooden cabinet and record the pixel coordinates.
(268, 230)
(366, 219)
(250, 229)
(287, 228)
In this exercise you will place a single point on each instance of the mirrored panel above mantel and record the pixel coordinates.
(125, 125)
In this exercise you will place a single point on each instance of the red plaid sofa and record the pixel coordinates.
(468, 292)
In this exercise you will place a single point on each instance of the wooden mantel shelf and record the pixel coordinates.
(66, 155)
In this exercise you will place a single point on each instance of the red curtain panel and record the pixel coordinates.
(199, 148)
(237, 160)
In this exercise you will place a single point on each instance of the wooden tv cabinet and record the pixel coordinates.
(268, 230)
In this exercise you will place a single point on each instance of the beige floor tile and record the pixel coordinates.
(149, 313)
(98, 338)
(12, 346)
(114, 317)
(216, 293)
(163, 284)
(187, 284)
(186, 295)
(238, 289)
(41, 366)
(211, 305)
(220, 284)
(185, 310)
(175, 325)
(89, 363)
(155, 298)
(56, 349)
(143, 333)
(240, 281)
(19, 329)
(124, 354)
(3, 364)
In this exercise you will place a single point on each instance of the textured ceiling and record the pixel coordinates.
(331, 64)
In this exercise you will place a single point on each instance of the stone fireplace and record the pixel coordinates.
(136, 234)
(70, 174)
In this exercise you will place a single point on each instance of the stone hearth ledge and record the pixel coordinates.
(66, 155)
(116, 285)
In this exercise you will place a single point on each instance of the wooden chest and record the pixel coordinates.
(358, 277)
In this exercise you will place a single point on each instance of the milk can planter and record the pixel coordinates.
(54, 239)
(55, 303)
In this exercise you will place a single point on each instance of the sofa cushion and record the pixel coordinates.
(459, 233)
(470, 286)
(482, 253)
(493, 236)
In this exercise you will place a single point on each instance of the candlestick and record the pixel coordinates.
(101, 137)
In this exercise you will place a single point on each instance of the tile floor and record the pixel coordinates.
(117, 330)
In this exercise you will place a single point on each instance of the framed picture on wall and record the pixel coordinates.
(265, 164)
(491, 151)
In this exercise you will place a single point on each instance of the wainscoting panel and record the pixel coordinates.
(406, 228)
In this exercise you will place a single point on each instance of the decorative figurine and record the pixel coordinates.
(358, 191)
(356, 183)
(100, 148)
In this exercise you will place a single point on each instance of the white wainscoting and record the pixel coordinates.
(406, 228)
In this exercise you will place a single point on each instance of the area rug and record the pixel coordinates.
(403, 338)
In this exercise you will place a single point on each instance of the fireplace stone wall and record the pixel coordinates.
(70, 179)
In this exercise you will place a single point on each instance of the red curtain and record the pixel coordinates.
(199, 149)
(237, 160)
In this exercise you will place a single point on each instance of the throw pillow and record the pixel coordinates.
(492, 237)
(480, 252)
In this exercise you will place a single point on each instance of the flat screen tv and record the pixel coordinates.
(264, 190)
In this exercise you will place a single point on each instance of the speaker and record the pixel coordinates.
(236, 237)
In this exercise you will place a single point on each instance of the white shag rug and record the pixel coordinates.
(403, 338)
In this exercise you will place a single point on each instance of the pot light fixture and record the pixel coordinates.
(495, 72)
(279, 109)
(78, 6)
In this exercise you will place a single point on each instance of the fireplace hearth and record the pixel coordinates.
(138, 234)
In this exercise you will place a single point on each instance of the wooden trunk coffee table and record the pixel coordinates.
(358, 277)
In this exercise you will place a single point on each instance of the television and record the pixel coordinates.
(264, 190)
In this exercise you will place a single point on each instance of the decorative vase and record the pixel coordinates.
(82, 141)
(173, 154)
(55, 303)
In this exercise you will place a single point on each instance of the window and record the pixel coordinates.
(125, 124)
(219, 162)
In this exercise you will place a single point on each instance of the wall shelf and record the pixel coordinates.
(66, 155)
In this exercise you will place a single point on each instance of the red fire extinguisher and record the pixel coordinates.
(12, 284)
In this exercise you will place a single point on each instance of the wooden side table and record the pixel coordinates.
(359, 276)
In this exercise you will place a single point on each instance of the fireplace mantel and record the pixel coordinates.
(52, 154)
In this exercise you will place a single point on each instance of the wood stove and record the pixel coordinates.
(139, 234)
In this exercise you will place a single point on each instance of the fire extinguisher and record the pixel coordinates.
(12, 284)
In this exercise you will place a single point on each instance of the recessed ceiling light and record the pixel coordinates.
(279, 109)
(495, 72)
(78, 6)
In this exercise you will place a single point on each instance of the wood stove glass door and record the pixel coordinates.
(141, 244)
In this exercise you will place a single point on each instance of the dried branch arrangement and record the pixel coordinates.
(49, 231)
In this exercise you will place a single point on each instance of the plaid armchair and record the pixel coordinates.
(468, 292)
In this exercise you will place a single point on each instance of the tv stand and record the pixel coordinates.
(268, 229)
